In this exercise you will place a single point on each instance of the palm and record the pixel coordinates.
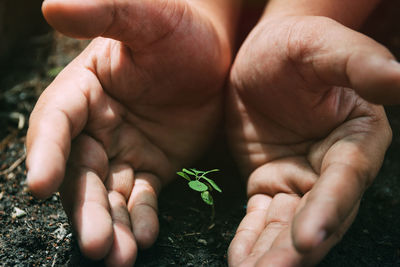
(137, 108)
(162, 109)
(296, 131)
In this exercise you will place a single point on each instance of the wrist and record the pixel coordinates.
(349, 13)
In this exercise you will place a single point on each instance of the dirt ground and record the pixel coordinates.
(37, 233)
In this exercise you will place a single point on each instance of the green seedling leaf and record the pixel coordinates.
(188, 172)
(198, 186)
(212, 183)
(207, 198)
(197, 172)
(184, 175)
(214, 170)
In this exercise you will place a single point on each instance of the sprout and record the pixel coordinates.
(198, 181)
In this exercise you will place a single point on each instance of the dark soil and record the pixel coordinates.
(41, 235)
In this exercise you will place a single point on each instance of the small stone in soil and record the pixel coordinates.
(18, 213)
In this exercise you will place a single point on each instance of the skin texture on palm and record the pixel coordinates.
(140, 102)
(308, 143)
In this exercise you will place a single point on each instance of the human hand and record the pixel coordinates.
(306, 140)
(137, 104)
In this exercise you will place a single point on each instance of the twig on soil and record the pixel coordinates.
(15, 116)
(190, 234)
(14, 165)
(54, 260)
(168, 246)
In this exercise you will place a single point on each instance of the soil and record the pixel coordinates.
(37, 233)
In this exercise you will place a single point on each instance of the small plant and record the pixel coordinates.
(200, 183)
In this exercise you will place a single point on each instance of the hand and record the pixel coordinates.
(140, 102)
(306, 140)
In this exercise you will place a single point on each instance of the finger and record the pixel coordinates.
(89, 213)
(283, 253)
(126, 21)
(143, 208)
(292, 175)
(85, 199)
(279, 250)
(340, 56)
(249, 229)
(119, 184)
(329, 204)
(348, 168)
(123, 251)
(59, 115)
(120, 179)
(280, 215)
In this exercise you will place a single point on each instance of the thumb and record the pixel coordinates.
(340, 56)
(375, 76)
(124, 20)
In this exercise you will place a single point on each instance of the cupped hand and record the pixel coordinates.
(306, 140)
(141, 101)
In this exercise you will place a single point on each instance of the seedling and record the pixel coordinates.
(198, 181)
